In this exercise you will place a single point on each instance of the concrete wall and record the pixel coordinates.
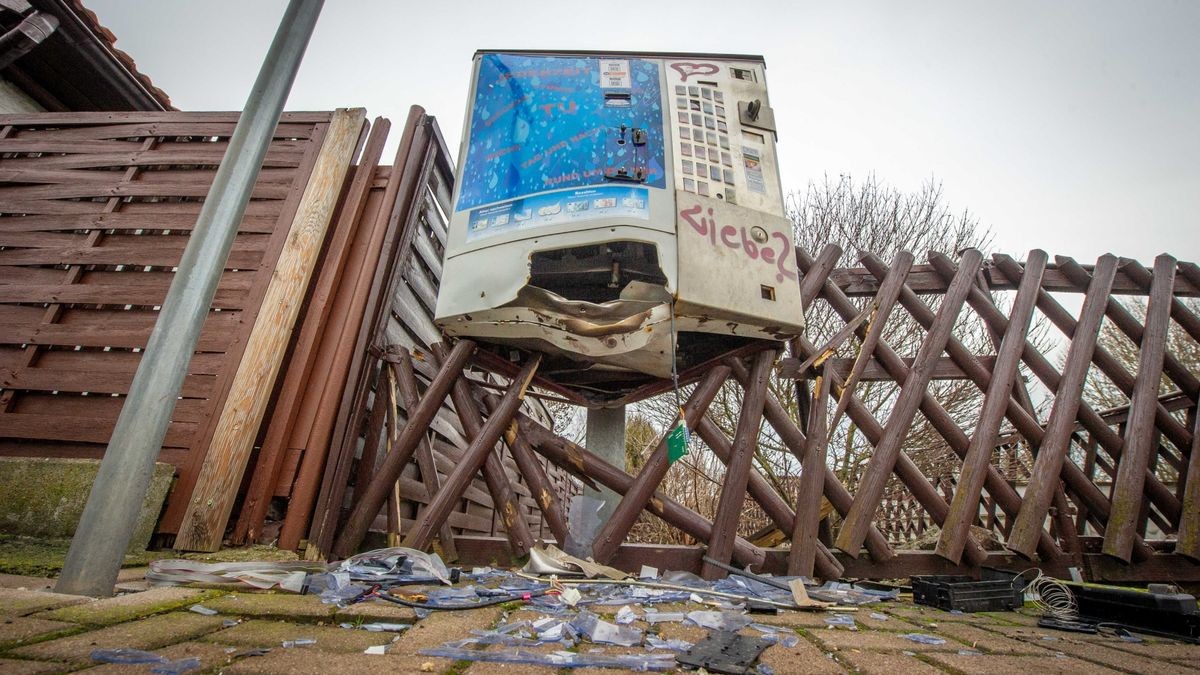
(44, 497)
(13, 100)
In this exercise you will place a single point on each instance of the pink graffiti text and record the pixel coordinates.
(738, 239)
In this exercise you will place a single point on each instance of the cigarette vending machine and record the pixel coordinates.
(618, 212)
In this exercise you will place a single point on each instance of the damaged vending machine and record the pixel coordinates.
(620, 213)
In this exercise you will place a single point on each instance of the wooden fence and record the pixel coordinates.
(1066, 441)
(95, 210)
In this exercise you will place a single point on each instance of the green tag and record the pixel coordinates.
(677, 443)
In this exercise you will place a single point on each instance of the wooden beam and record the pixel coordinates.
(771, 502)
(872, 370)
(1189, 524)
(577, 460)
(1129, 487)
(483, 437)
(380, 487)
(857, 282)
(406, 384)
(1055, 442)
(216, 488)
(633, 501)
(745, 443)
(964, 506)
(803, 556)
(883, 461)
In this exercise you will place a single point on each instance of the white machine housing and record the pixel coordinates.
(606, 201)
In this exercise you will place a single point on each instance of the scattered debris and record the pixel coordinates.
(299, 642)
(160, 663)
(921, 638)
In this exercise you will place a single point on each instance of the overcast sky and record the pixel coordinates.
(1067, 126)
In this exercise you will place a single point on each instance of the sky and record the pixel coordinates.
(1070, 126)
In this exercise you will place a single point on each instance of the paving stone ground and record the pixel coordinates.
(41, 632)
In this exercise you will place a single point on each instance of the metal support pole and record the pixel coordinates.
(605, 436)
(107, 522)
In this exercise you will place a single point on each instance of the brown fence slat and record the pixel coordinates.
(884, 459)
(1057, 438)
(1139, 436)
(964, 506)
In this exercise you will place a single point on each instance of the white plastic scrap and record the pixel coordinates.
(718, 620)
(603, 632)
(626, 615)
(570, 595)
(661, 617)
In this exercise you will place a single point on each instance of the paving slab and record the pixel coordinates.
(989, 640)
(886, 663)
(274, 605)
(839, 639)
(788, 618)
(149, 634)
(21, 667)
(376, 610)
(305, 660)
(986, 664)
(22, 630)
(1150, 647)
(272, 634)
(805, 657)
(211, 657)
(114, 610)
(20, 602)
(26, 582)
(1118, 659)
(890, 621)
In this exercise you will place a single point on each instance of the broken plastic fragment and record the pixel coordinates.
(626, 615)
(299, 642)
(376, 649)
(394, 564)
(781, 635)
(730, 621)
(879, 616)
(570, 596)
(289, 575)
(841, 620)
(661, 617)
(924, 639)
(379, 627)
(161, 664)
(603, 632)
(201, 609)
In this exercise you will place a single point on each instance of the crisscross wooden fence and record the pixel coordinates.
(1066, 440)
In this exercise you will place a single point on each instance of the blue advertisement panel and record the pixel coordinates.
(547, 122)
(554, 208)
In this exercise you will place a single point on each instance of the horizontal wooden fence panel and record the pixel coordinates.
(95, 212)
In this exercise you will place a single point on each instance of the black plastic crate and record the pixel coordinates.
(1161, 610)
(996, 590)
